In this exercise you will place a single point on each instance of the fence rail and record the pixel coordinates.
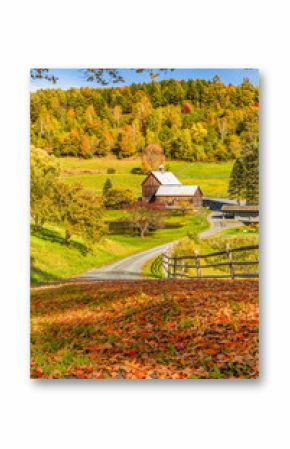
(175, 266)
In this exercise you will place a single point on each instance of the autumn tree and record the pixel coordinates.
(221, 119)
(117, 198)
(131, 139)
(85, 147)
(79, 211)
(186, 108)
(145, 217)
(152, 157)
(44, 172)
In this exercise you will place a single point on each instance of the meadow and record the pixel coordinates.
(213, 177)
(52, 260)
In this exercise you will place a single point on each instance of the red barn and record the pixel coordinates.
(164, 188)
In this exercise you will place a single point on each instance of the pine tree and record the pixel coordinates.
(252, 175)
(237, 181)
(107, 186)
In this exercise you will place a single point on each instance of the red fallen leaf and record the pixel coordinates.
(80, 374)
(171, 325)
(37, 373)
(132, 353)
(179, 345)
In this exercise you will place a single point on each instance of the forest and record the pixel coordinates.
(194, 120)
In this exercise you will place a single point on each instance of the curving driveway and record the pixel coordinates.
(128, 268)
(131, 267)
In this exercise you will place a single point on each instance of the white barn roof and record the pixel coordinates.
(166, 178)
(176, 190)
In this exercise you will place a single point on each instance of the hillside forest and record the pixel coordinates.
(193, 120)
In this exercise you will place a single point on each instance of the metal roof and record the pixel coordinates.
(166, 178)
(240, 208)
(176, 190)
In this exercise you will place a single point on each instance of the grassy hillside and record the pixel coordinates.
(52, 260)
(213, 178)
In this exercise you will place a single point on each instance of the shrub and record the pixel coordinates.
(118, 198)
(111, 171)
(137, 171)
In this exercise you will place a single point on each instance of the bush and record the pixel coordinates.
(137, 171)
(118, 198)
(88, 155)
(111, 171)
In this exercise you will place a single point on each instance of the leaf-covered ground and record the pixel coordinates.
(163, 329)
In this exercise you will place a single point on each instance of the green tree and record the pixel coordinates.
(79, 211)
(244, 180)
(251, 163)
(118, 198)
(107, 186)
(237, 181)
(44, 172)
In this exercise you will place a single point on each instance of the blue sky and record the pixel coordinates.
(75, 78)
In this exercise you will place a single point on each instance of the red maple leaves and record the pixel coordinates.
(145, 330)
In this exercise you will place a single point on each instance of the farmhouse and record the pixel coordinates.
(162, 187)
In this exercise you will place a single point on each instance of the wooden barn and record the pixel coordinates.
(164, 188)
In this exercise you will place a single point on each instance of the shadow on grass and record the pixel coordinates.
(38, 276)
(56, 237)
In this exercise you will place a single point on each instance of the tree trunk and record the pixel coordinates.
(36, 223)
(67, 237)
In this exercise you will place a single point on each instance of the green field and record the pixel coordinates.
(52, 260)
(213, 177)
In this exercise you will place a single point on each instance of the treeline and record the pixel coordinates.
(191, 120)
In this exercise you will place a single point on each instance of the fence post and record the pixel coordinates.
(230, 259)
(165, 271)
(174, 267)
(197, 263)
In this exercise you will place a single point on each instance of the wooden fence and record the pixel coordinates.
(177, 266)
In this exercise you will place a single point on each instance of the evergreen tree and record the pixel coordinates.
(251, 163)
(244, 180)
(107, 186)
(237, 181)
